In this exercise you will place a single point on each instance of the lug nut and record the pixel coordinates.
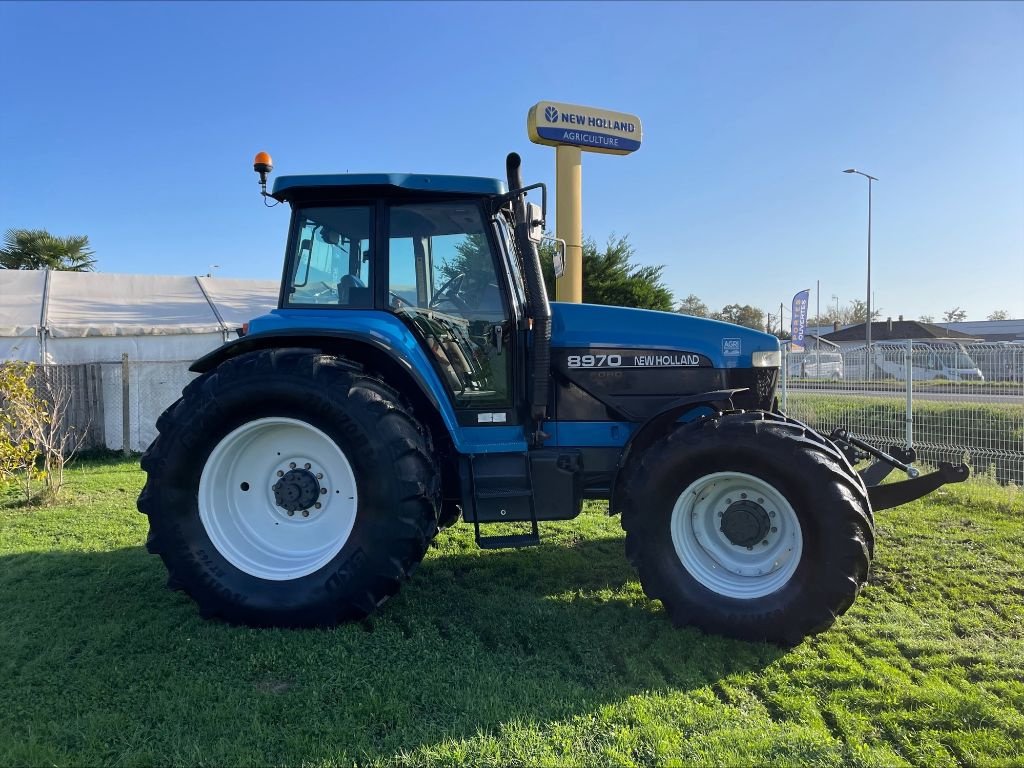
(323, 491)
(765, 541)
(305, 513)
(728, 501)
(721, 513)
(307, 465)
(750, 548)
(280, 473)
(291, 512)
(760, 501)
(319, 475)
(743, 495)
(774, 529)
(317, 505)
(771, 514)
(292, 465)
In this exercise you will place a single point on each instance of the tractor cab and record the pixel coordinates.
(437, 254)
(441, 264)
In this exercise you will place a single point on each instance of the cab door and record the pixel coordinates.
(444, 282)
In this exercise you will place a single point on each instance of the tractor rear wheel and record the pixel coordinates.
(749, 525)
(289, 488)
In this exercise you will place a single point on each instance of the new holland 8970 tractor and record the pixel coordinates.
(415, 374)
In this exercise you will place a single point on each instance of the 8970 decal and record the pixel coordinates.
(594, 361)
(634, 359)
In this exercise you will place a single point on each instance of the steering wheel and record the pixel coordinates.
(328, 289)
(397, 302)
(450, 292)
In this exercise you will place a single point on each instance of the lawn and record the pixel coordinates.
(550, 655)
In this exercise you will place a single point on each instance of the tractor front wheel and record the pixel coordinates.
(749, 525)
(289, 488)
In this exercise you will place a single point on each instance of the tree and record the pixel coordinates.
(927, 318)
(609, 276)
(954, 315)
(38, 249)
(999, 314)
(858, 312)
(693, 306)
(737, 314)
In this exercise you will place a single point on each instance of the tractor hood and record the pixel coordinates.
(591, 326)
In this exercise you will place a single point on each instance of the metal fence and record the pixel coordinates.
(115, 405)
(949, 401)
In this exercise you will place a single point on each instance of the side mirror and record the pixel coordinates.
(558, 259)
(535, 218)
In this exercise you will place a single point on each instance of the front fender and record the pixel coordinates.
(659, 423)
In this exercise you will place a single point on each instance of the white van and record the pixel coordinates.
(815, 365)
(937, 360)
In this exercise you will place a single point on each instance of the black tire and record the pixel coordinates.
(391, 458)
(827, 495)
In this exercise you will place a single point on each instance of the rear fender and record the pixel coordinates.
(415, 379)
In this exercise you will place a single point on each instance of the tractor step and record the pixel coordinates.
(503, 493)
(508, 542)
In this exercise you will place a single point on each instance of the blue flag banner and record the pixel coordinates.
(798, 321)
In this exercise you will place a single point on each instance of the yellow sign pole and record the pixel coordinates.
(572, 129)
(569, 221)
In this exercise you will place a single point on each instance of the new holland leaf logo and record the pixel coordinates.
(551, 114)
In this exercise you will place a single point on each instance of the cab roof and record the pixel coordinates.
(286, 187)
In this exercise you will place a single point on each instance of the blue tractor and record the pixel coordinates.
(415, 374)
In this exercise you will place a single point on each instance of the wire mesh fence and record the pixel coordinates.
(949, 401)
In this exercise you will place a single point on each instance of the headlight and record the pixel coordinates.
(770, 359)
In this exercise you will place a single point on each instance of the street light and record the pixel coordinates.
(867, 325)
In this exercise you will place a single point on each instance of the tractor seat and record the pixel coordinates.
(352, 292)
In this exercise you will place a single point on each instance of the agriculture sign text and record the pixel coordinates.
(595, 130)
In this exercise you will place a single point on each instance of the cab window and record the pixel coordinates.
(330, 261)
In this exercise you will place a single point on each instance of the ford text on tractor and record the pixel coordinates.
(415, 373)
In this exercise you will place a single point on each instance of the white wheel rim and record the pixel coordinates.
(242, 516)
(713, 559)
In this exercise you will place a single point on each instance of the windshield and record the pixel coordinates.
(956, 358)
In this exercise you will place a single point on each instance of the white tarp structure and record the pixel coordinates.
(162, 323)
(95, 317)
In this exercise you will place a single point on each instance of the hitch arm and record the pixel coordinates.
(895, 494)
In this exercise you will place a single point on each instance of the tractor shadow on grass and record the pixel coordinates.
(475, 642)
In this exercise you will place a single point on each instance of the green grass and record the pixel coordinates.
(549, 655)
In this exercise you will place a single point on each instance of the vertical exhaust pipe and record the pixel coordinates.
(537, 295)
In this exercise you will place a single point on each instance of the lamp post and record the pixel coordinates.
(869, 367)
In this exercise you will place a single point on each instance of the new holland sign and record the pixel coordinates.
(595, 130)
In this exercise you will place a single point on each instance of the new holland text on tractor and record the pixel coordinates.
(415, 373)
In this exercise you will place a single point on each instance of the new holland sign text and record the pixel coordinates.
(595, 130)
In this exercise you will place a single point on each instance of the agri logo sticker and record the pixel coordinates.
(551, 115)
(731, 347)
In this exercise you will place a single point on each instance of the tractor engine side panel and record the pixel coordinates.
(629, 384)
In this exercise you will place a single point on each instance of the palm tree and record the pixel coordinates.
(38, 249)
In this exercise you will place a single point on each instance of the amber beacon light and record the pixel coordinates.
(263, 165)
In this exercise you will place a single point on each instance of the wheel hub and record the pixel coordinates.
(297, 489)
(745, 523)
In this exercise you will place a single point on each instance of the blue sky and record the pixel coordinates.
(136, 124)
